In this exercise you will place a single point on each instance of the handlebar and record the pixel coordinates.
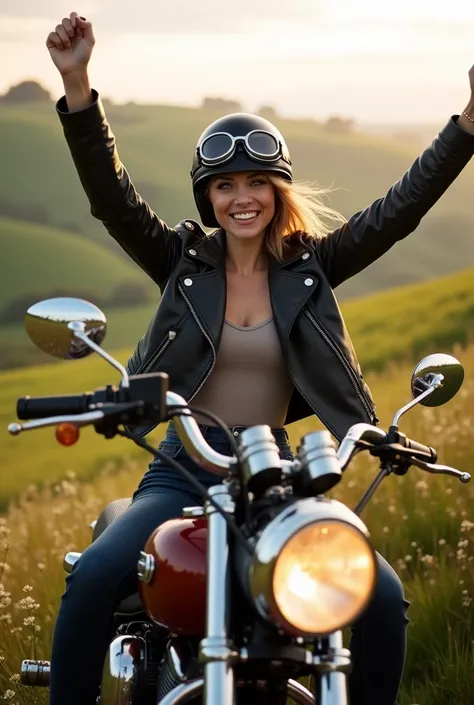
(119, 405)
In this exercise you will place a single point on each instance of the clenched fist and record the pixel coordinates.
(71, 44)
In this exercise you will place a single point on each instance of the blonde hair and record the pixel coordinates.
(299, 208)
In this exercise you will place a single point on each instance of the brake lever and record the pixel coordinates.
(464, 477)
(89, 417)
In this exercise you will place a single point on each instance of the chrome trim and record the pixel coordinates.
(355, 381)
(78, 328)
(292, 519)
(437, 382)
(320, 467)
(300, 694)
(332, 670)
(122, 669)
(78, 420)
(184, 692)
(216, 651)
(465, 477)
(70, 560)
(260, 457)
(194, 511)
(146, 567)
(438, 365)
(35, 673)
(193, 440)
(358, 432)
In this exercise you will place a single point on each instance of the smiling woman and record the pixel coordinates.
(247, 311)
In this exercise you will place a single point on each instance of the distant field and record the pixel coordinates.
(156, 144)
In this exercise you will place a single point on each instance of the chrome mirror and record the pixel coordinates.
(441, 372)
(53, 325)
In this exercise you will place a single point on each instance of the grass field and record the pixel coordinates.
(424, 525)
(156, 144)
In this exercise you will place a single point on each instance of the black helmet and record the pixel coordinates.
(236, 142)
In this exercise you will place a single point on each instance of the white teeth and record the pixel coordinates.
(245, 216)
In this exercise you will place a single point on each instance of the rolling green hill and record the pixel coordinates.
(156, 144)
(399, 325)
(40, 258)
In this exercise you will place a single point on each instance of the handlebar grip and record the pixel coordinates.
(430, 454)
(41, 407)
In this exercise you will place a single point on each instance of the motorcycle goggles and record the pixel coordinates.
(260, 145)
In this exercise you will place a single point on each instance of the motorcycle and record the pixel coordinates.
(241, 598)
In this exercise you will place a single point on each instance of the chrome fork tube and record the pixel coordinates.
(333, 669)
(215, 650)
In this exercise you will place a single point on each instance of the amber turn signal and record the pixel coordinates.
(67, 434)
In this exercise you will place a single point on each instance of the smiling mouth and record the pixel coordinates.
(246, 217)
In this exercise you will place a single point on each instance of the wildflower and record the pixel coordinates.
(467, 525)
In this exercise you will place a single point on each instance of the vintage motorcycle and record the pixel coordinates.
(240, 599)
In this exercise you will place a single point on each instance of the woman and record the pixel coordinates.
(248, 327)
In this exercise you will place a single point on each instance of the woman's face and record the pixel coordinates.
(243, 202)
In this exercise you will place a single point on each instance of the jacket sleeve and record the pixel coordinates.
(372, 232)
(129, 220)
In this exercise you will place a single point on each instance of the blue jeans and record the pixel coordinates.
(106, 574)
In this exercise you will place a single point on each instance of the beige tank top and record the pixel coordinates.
(249, 384)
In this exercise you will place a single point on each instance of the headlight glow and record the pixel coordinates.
(314, 570)
(323, 577)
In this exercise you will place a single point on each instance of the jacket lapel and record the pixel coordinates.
(291, 282)
(206, 291)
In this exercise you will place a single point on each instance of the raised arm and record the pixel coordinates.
(113, 198)
(372, 232)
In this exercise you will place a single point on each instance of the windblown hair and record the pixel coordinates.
(299, 208)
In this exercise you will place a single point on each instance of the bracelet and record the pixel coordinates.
(467, 116)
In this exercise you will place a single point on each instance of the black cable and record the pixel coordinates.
(234, 447)
(192, 480)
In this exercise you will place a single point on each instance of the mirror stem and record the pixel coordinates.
(434, 384)
(78, 329)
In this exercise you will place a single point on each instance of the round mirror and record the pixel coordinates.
(47, 322)
(425, 372)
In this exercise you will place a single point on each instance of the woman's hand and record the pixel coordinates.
(71, 45)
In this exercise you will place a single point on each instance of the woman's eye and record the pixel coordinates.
(258, 182)
(223, 185)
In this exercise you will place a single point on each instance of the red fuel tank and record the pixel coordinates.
(176, 595)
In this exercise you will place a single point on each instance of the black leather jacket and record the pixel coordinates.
(188, 266)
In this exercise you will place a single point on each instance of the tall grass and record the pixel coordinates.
(423, 524)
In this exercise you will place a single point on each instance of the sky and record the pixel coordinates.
(372, 60)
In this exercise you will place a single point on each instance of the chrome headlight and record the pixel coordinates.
(313, 570)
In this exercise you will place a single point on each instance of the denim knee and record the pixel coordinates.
(93, 575)
(388, 603)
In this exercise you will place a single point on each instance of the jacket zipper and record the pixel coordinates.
(206, 335)
(142, 369)
(348, 369)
